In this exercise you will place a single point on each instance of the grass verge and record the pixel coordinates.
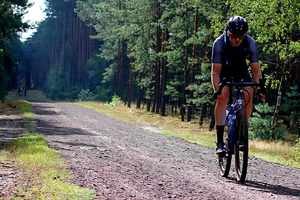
(25, 108)
(45, 172)
(45, 175)
(276, 151)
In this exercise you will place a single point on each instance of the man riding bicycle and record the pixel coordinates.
(230, 54)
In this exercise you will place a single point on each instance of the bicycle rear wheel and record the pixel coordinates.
(241, 148)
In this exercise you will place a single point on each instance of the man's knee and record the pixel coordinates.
(222, 99)
(248, 96)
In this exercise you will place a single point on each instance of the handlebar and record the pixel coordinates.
(235, 84)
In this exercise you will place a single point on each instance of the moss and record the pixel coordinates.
(46, 169)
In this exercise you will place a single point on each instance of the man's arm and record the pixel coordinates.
(255, 66)
(216, 66)
(215, 75)
(257, 75)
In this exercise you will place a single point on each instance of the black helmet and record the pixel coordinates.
(237, 25)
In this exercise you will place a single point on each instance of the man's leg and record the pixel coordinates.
(220, 114)
(248, 94)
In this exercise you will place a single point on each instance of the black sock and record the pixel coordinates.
(220, 133)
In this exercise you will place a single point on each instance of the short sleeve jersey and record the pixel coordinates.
(233, 59)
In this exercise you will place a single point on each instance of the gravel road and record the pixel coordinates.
(125, 161)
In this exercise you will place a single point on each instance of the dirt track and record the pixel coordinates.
(123, 161)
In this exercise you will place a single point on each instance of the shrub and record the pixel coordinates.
(280, 132)
(260, 128)
(3, 83)
(291, 107)
(116, 100)
(86, 95)
(261, 124)
(297, 151)
(57, 87)
(103, 93)
(55, 81)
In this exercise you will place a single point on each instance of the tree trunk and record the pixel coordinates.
(139, 99)
(163, 75)
(129, 92)
(202, 114)
(186, 73)
(212, 118)
(157, 63)
(278, 103)
(195, 64)
(148, 105)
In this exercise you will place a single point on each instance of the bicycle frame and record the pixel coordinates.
(236, 106)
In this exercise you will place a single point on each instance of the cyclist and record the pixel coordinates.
(232, 53)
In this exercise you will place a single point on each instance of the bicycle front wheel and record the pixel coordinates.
(241, 148)
(224, 160)
(224, 164)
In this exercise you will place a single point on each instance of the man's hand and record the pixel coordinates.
(261, 97)
(261, 91)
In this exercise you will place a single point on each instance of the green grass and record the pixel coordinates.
(24, 108)
(280, 152)
(3, 155)
(45, 169)
(42, 167)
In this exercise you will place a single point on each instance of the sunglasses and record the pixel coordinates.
(235, 37)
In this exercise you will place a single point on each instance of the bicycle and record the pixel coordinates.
(236, 142)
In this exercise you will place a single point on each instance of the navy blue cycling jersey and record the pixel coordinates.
(233, 59)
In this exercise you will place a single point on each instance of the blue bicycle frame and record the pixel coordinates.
(230, 121)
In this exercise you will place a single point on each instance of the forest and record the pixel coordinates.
(152, 54)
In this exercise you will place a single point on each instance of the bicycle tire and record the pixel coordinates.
(224, 164)
(241, 147)
(224, 160)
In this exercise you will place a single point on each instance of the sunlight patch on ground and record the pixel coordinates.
(152, 129)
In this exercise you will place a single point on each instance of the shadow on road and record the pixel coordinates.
(11, 129)
(52, 128)
(12, 125)
(275, 189)
(44, 110)
(270, 188)
(61, 137)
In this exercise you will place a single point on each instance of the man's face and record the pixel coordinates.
(235, 41)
